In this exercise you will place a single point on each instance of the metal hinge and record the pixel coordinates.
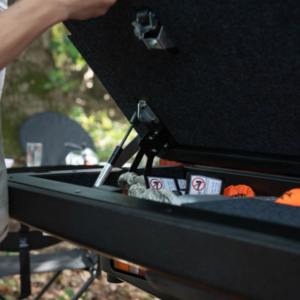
(145, 113)
(148, 29)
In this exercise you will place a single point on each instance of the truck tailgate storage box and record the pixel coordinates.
(215, 85)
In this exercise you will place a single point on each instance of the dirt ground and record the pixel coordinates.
(69, 283)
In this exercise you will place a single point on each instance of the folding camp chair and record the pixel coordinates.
(52, 130)
(25, 264)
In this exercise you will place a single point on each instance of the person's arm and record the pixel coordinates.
(23, 22)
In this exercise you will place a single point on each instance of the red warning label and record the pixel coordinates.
(156, 184)
(202, 185)
(198, 184)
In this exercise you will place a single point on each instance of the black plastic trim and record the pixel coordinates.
(279, 164)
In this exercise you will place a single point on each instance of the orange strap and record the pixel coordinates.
(291, 197)
(163, 162)
(239, 191)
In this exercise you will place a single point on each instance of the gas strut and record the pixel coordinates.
(115, 155)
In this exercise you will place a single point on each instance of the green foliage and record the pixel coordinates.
(58, 79)
(7, 253)
(105, 133)
(66, 57)
(64, 52)
(12, 282)
(69, 292)
(58, 280)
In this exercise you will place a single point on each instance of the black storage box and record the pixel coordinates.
(222, 78)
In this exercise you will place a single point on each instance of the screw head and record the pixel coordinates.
(154, 151)
(9, 177)
(154, 119)
(166, 145)
(156, 132)
(77, 191)
(151, 138)
(153, 43)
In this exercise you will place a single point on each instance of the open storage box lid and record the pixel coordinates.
(230, 96)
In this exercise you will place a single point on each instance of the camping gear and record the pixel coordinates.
(25, 264)
(81, 155)
(291, 197)
(239, 191)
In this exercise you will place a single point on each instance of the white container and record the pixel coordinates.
(9, 162)
(34, 154)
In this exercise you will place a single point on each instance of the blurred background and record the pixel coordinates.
(52, 76)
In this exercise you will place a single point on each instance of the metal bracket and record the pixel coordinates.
(145, 113)
(154, 142)
(148, 29)
(145, 22)
(150, 145)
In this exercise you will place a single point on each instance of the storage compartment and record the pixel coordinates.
(88, 179)
(256, 209)
(262, 184)
(238, 250)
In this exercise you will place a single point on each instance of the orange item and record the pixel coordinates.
(291, 197)
(239, 191)
(163, 162)
(121, 266)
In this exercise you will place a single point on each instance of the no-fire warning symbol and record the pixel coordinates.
(198, 184)
(156, 184)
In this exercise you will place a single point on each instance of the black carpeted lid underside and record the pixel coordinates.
(233, 85)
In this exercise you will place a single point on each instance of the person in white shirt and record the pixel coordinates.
(20, 25)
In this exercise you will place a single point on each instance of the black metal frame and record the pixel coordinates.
(106, 265)
(95, 273)
(2, 297)
(193, 245)
(268, 163)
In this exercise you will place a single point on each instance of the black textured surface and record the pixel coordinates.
(53, 130)
(254, 209)
(182, 290)
(234, 84)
